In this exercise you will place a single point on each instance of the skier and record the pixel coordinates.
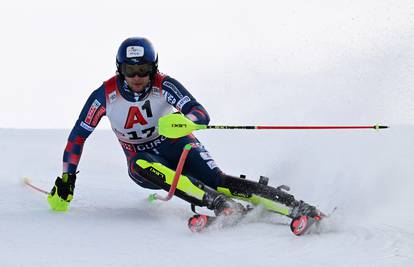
(133, 100)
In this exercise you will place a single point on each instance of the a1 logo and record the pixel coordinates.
(134, 116)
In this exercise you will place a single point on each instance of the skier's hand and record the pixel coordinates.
(62, 193)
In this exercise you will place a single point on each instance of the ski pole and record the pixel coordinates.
(177, 125)
(177, 175)
(27, 182)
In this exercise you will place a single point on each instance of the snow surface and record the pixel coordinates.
(367, 174)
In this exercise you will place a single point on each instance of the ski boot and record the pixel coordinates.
(275, 199)
(222, 206)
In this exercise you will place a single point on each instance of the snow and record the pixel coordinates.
(367, 174)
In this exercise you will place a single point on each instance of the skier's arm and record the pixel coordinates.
(91, 114)
(63, 190)
(179, 97)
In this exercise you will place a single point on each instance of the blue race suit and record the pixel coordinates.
(133, 117)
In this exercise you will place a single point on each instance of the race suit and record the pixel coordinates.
(133, 118)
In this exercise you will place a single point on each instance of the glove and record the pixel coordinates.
(62, 193)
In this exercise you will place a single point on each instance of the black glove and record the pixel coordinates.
(62, 193)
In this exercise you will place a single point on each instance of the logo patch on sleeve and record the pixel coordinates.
(98, 115)
(170, 98)
(183, 101)
(173, 88)
(92, 109)
(86, 127)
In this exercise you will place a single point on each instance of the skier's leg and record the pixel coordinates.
(135, 176)
(199, 164)
(274, 199)
(154, 169)
(188, 189)
(241, 187)
(200, 167)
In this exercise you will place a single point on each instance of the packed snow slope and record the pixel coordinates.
(367, 174)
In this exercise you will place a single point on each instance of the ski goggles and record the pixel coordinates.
(142, 70)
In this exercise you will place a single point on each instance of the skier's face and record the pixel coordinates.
(136, 83)
(137, 76)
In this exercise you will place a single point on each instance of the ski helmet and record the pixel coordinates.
(137, 51)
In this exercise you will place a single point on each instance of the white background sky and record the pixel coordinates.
(271, 62)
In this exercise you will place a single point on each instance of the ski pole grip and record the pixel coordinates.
(177, 175)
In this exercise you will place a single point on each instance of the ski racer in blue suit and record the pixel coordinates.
(133, 100)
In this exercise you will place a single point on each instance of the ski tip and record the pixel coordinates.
(330, 213)
(327, 215)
